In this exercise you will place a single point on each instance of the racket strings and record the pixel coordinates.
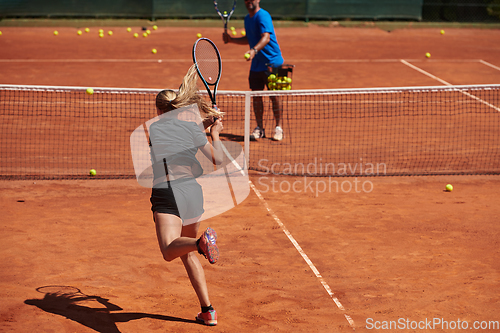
(207, 62)
(225, 5)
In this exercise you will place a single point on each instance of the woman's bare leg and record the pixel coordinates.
(176, 241)
(194, 268)
(169, 233)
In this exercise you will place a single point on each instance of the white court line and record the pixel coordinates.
(296, 61)
(488, 64)
(303, 254)
(449, 84)
(95, 60)
(425, 73)
(292, 239)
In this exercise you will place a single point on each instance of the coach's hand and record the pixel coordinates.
(225, 37)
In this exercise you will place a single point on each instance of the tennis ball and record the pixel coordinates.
(110, 32)
(243, 33)
(0, 33)
(154, 51)
(155, 27)
(87, 29)
(101, 31)
(198, 35)
(234, 33)
(136, 35)
(79, 32)
(442, 32)
(272, 78)
(101, 35)
(428, 55)
(247, 56)
(92, 172)
(225, 13)
(449, 188)
(148, 32)
(129, 29)
(90, 91)
(232, 28)
(145, 34)
(56, 33)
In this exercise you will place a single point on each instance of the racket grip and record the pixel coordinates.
(216, 108)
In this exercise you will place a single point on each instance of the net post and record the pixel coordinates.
(247, 128)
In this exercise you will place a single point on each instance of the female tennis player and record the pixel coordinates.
(176, 198)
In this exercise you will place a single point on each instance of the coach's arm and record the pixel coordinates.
(264, 39)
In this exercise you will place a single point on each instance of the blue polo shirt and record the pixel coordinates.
(255, 26)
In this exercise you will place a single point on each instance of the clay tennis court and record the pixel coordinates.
(399, 247)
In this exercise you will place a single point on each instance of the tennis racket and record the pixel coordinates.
(224, 5)
(208, 63)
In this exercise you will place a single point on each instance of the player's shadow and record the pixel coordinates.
(100, 318)
(232, 137)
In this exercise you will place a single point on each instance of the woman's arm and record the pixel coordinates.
(214, 151)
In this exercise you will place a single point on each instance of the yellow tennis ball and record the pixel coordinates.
(92, 172)
(442, 32)
(198, 35)
(247, 55)
(145, 34)
(225, 13)
(449, 187)
(428, 55)
(154, 51)
(110, 32)
(79, 32)
(101, 35)
(233, 32)
(56, 33)
(148, 32)
(90, 91)
(155, 27)
(232, 28)
(243, 33)
(101, 31)
(87, 29)
(129, 29)
(136, 35)
(0, 33)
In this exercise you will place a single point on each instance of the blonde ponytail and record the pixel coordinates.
(168, 100)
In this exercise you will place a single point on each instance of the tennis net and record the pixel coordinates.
(62, 132)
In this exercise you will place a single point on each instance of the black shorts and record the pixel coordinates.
(257, 80)
(184, 199)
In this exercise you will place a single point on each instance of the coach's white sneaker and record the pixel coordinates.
(258, 133)
(278, 134)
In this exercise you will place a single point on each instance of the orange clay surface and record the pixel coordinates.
(395, 249)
